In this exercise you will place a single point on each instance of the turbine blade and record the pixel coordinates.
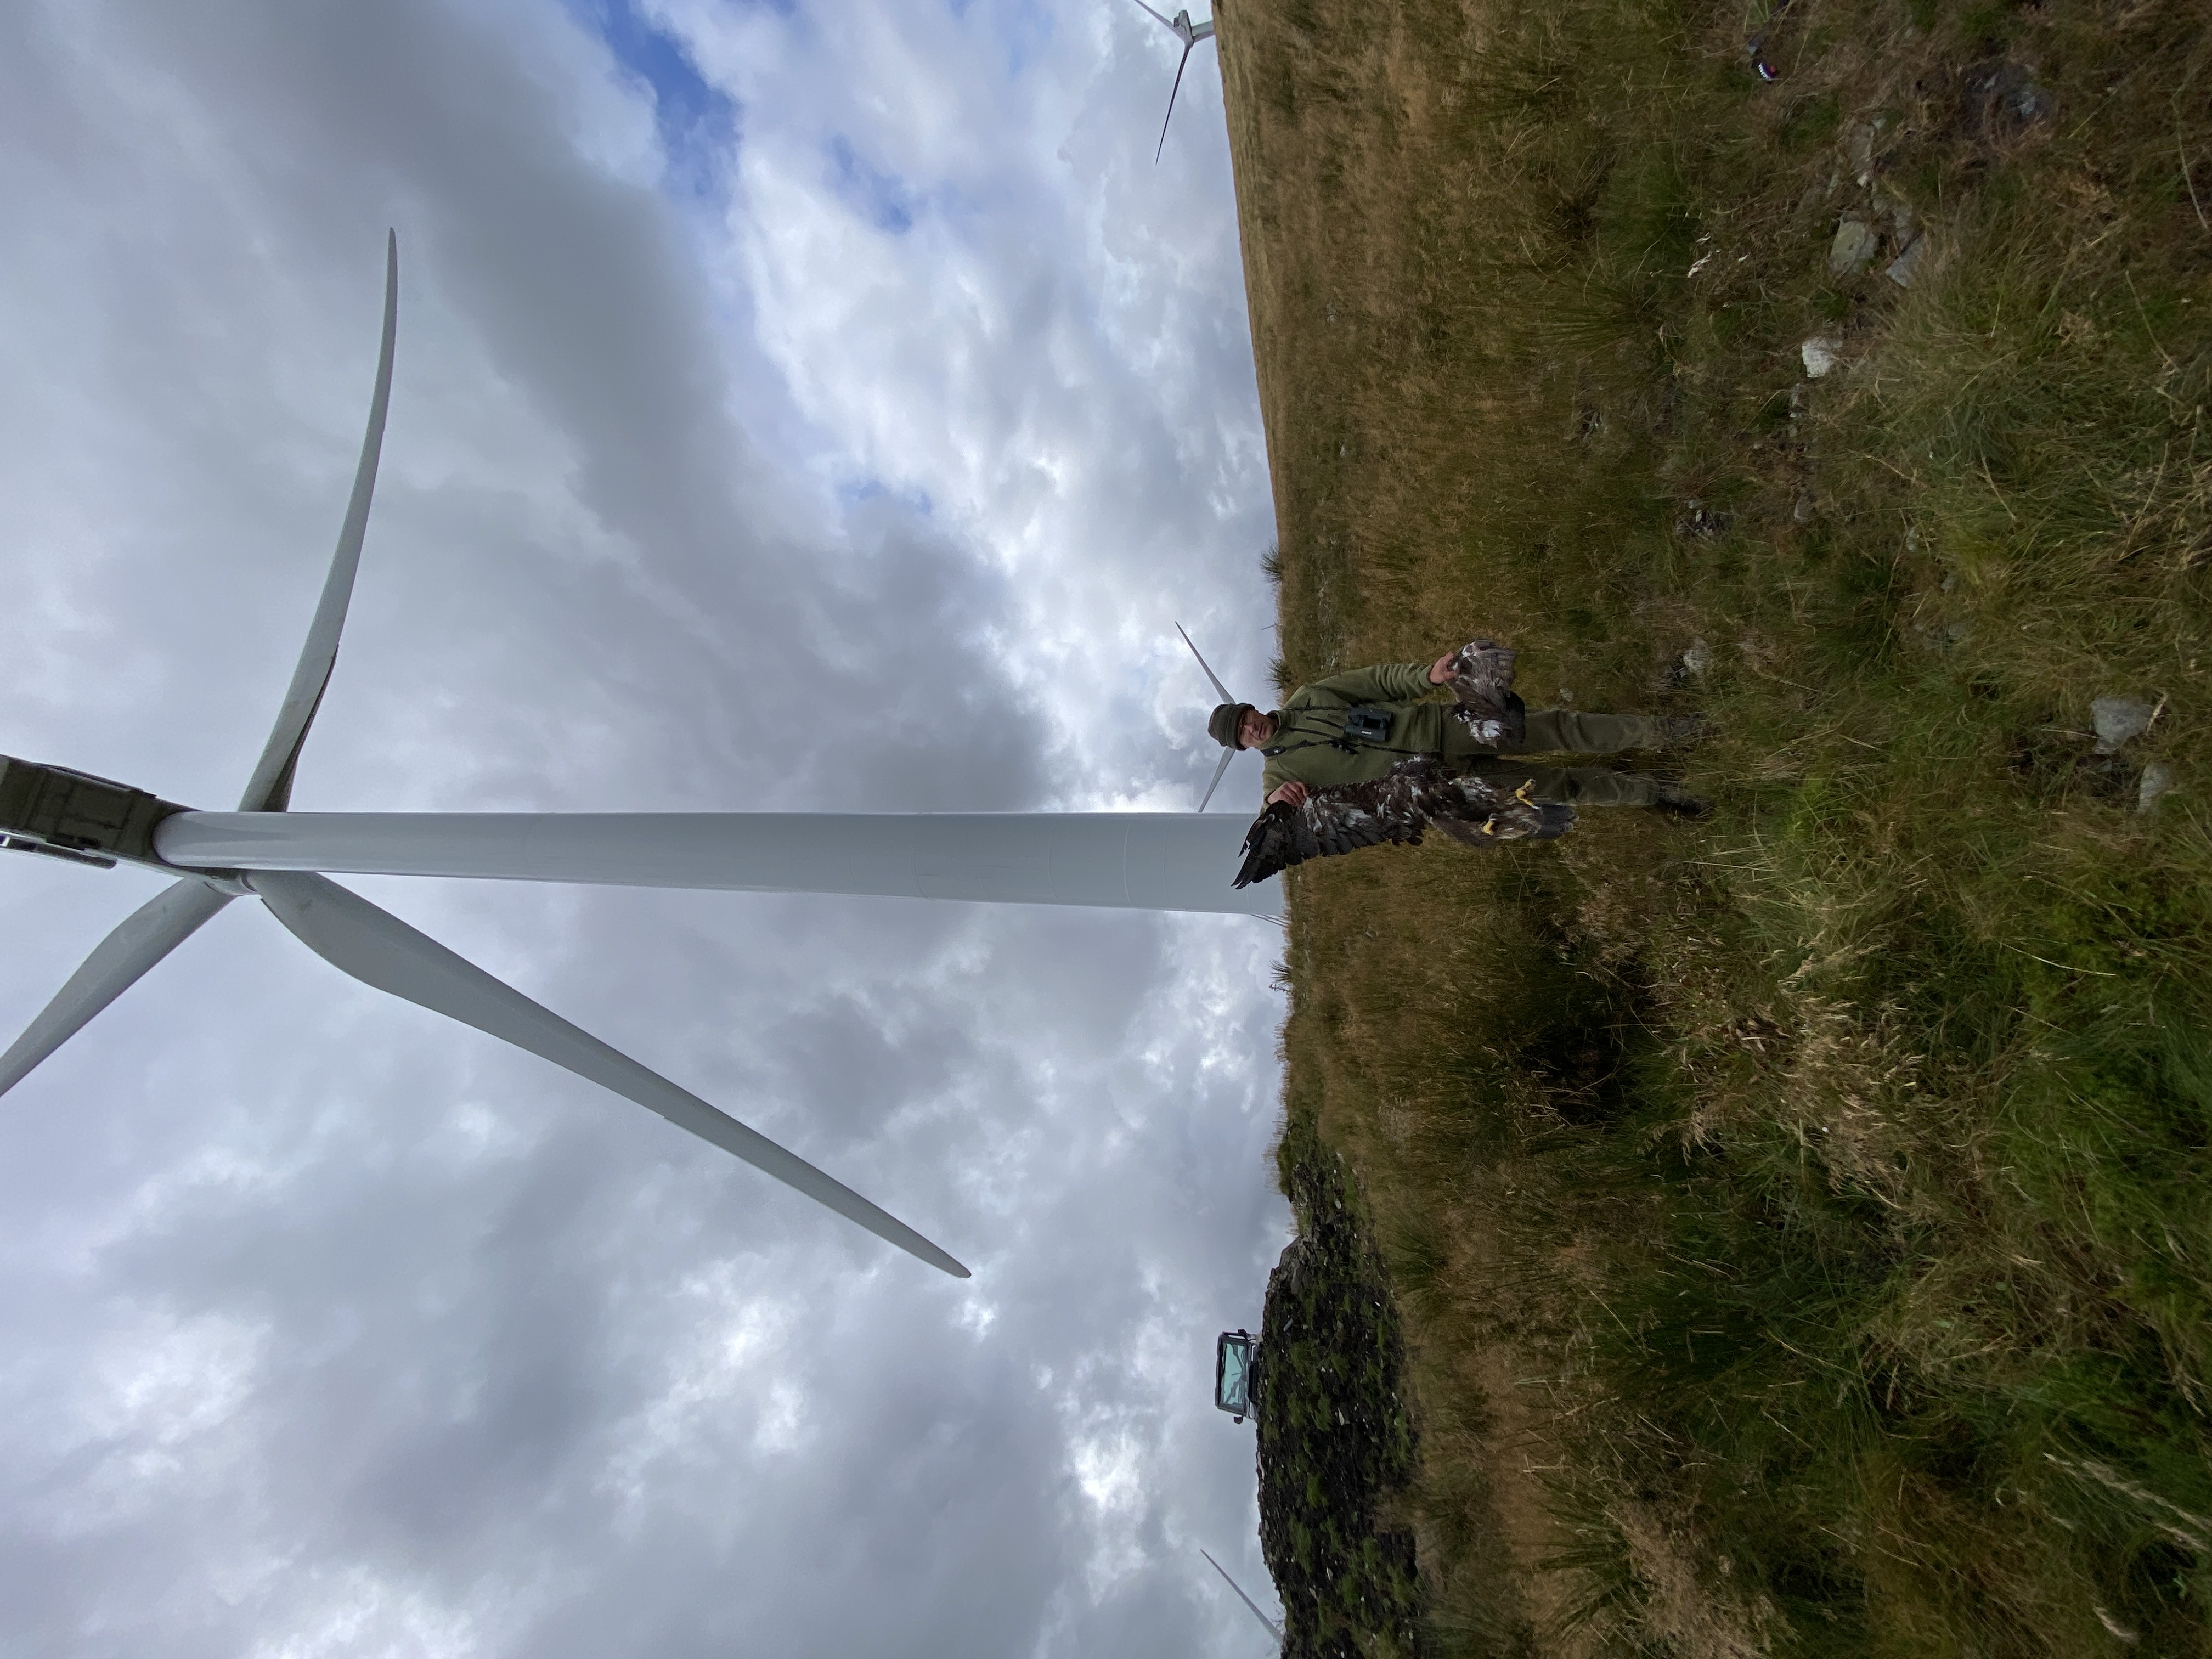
(1202, 32)
(377, 949)
(1110, 860)
(1227, 755)
(1161, 20)
(143, 937)
(1202, 663)
(270, 791)
(1274, 1629)
(1157, 149)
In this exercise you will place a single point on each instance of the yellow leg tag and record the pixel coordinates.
(1489, 826)
(1522, 794)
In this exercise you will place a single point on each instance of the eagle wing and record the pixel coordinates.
(1395, 808)
(1482, 681)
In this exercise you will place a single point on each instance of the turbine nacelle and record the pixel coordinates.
(75, 816)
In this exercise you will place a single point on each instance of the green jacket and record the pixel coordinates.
(1305, 749)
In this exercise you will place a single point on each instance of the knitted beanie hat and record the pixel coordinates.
(1221, 725)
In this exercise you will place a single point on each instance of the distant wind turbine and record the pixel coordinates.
(1159, 861)
(1227, 755)
(1190, 34)
(1272, 1628)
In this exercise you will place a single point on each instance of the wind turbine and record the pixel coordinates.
(1227, 755)
(1168, 861)
(1272, 1628)
(1190, 34)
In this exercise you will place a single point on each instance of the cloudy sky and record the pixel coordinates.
(804, 406)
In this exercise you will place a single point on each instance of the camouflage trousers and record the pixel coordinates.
(1569, 731)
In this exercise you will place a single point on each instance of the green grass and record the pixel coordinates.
(1804, 1221)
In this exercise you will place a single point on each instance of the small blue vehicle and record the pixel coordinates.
(1235, 1373)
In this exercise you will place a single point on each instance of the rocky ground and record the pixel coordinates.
(1335, 1441)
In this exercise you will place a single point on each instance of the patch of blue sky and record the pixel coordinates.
(882, 198)
(696, 122)
(858, 492)
(1025, 34)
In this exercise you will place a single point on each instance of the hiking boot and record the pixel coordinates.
(1680, 804)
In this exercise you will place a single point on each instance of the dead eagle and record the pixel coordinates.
(1396, 807)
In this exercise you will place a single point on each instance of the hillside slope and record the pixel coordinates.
(1803, 1220)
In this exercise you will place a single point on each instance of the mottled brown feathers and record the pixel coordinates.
(1482, 681)
(1395, 808)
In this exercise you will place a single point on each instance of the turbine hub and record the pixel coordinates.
(75, 816)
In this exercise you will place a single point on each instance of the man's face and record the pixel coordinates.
(1254, 729)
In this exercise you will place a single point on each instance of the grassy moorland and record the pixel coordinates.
(1803, 1220)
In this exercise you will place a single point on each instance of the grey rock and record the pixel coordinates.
(1853, 250)
(1896, 211)
(1702, 523)
(2002, 99)
(2157, 779)
(1690, 666)
(1820, 354)
(1858, 144)
(2116, 720)
(1903, 267)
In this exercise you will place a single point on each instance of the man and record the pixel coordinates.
(1352, 727)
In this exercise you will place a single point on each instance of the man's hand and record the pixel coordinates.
(1441, 670)
(1289, 794)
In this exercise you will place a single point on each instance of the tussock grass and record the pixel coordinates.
(1803, 1221)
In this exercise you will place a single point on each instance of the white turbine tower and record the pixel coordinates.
(1164, 862)
(1190, 34)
